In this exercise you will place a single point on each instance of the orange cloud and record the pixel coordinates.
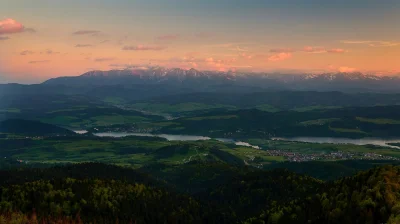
(346, 69)
(129, 66)
(336, 50)
(194, 64)
(221, 64)
(280, 57)
(143, 48)
(244, 55)
(209, 59)
(316, 50)
(319, 50)
(372, 43)
(308, 49)
(10, 26)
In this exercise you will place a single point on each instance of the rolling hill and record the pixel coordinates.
(28, 127)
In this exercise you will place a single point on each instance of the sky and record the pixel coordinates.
(42, 39)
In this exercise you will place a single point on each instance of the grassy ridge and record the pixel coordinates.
(129, 151)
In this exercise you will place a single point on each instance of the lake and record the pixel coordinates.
(362, 141)
(81, 132)
(174, 137)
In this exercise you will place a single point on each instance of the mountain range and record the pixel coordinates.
(215, 80)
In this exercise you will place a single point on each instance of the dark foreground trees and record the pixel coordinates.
(277, 196)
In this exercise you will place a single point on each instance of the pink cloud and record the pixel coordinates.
(308, 49)
(194, 64)
(10, 26)
(316, 50)
(129, 66)
(247, 56)
(143, 48)
(336, 50)
(220, 64)
(168, 37)
(209, 59)
(280, 57)
(346, 69)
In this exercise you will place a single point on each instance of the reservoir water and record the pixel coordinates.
(361, 141)
(174, 137)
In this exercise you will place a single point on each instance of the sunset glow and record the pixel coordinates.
(43, 39)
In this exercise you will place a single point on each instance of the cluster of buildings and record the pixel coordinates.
(340, 155)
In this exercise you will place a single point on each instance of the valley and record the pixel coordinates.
(198, 148)
(200, 112)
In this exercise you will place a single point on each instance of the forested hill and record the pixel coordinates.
(251, 196)
(28, 127)
(369, 197)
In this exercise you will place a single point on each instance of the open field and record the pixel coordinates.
(348, 130)
(10, 110)
(318, 121)
(378, 120)
(180, 108)
(310, 108)
(139, 151)
(212, 118)
(309, 148)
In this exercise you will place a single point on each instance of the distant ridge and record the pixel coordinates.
(201, 80)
